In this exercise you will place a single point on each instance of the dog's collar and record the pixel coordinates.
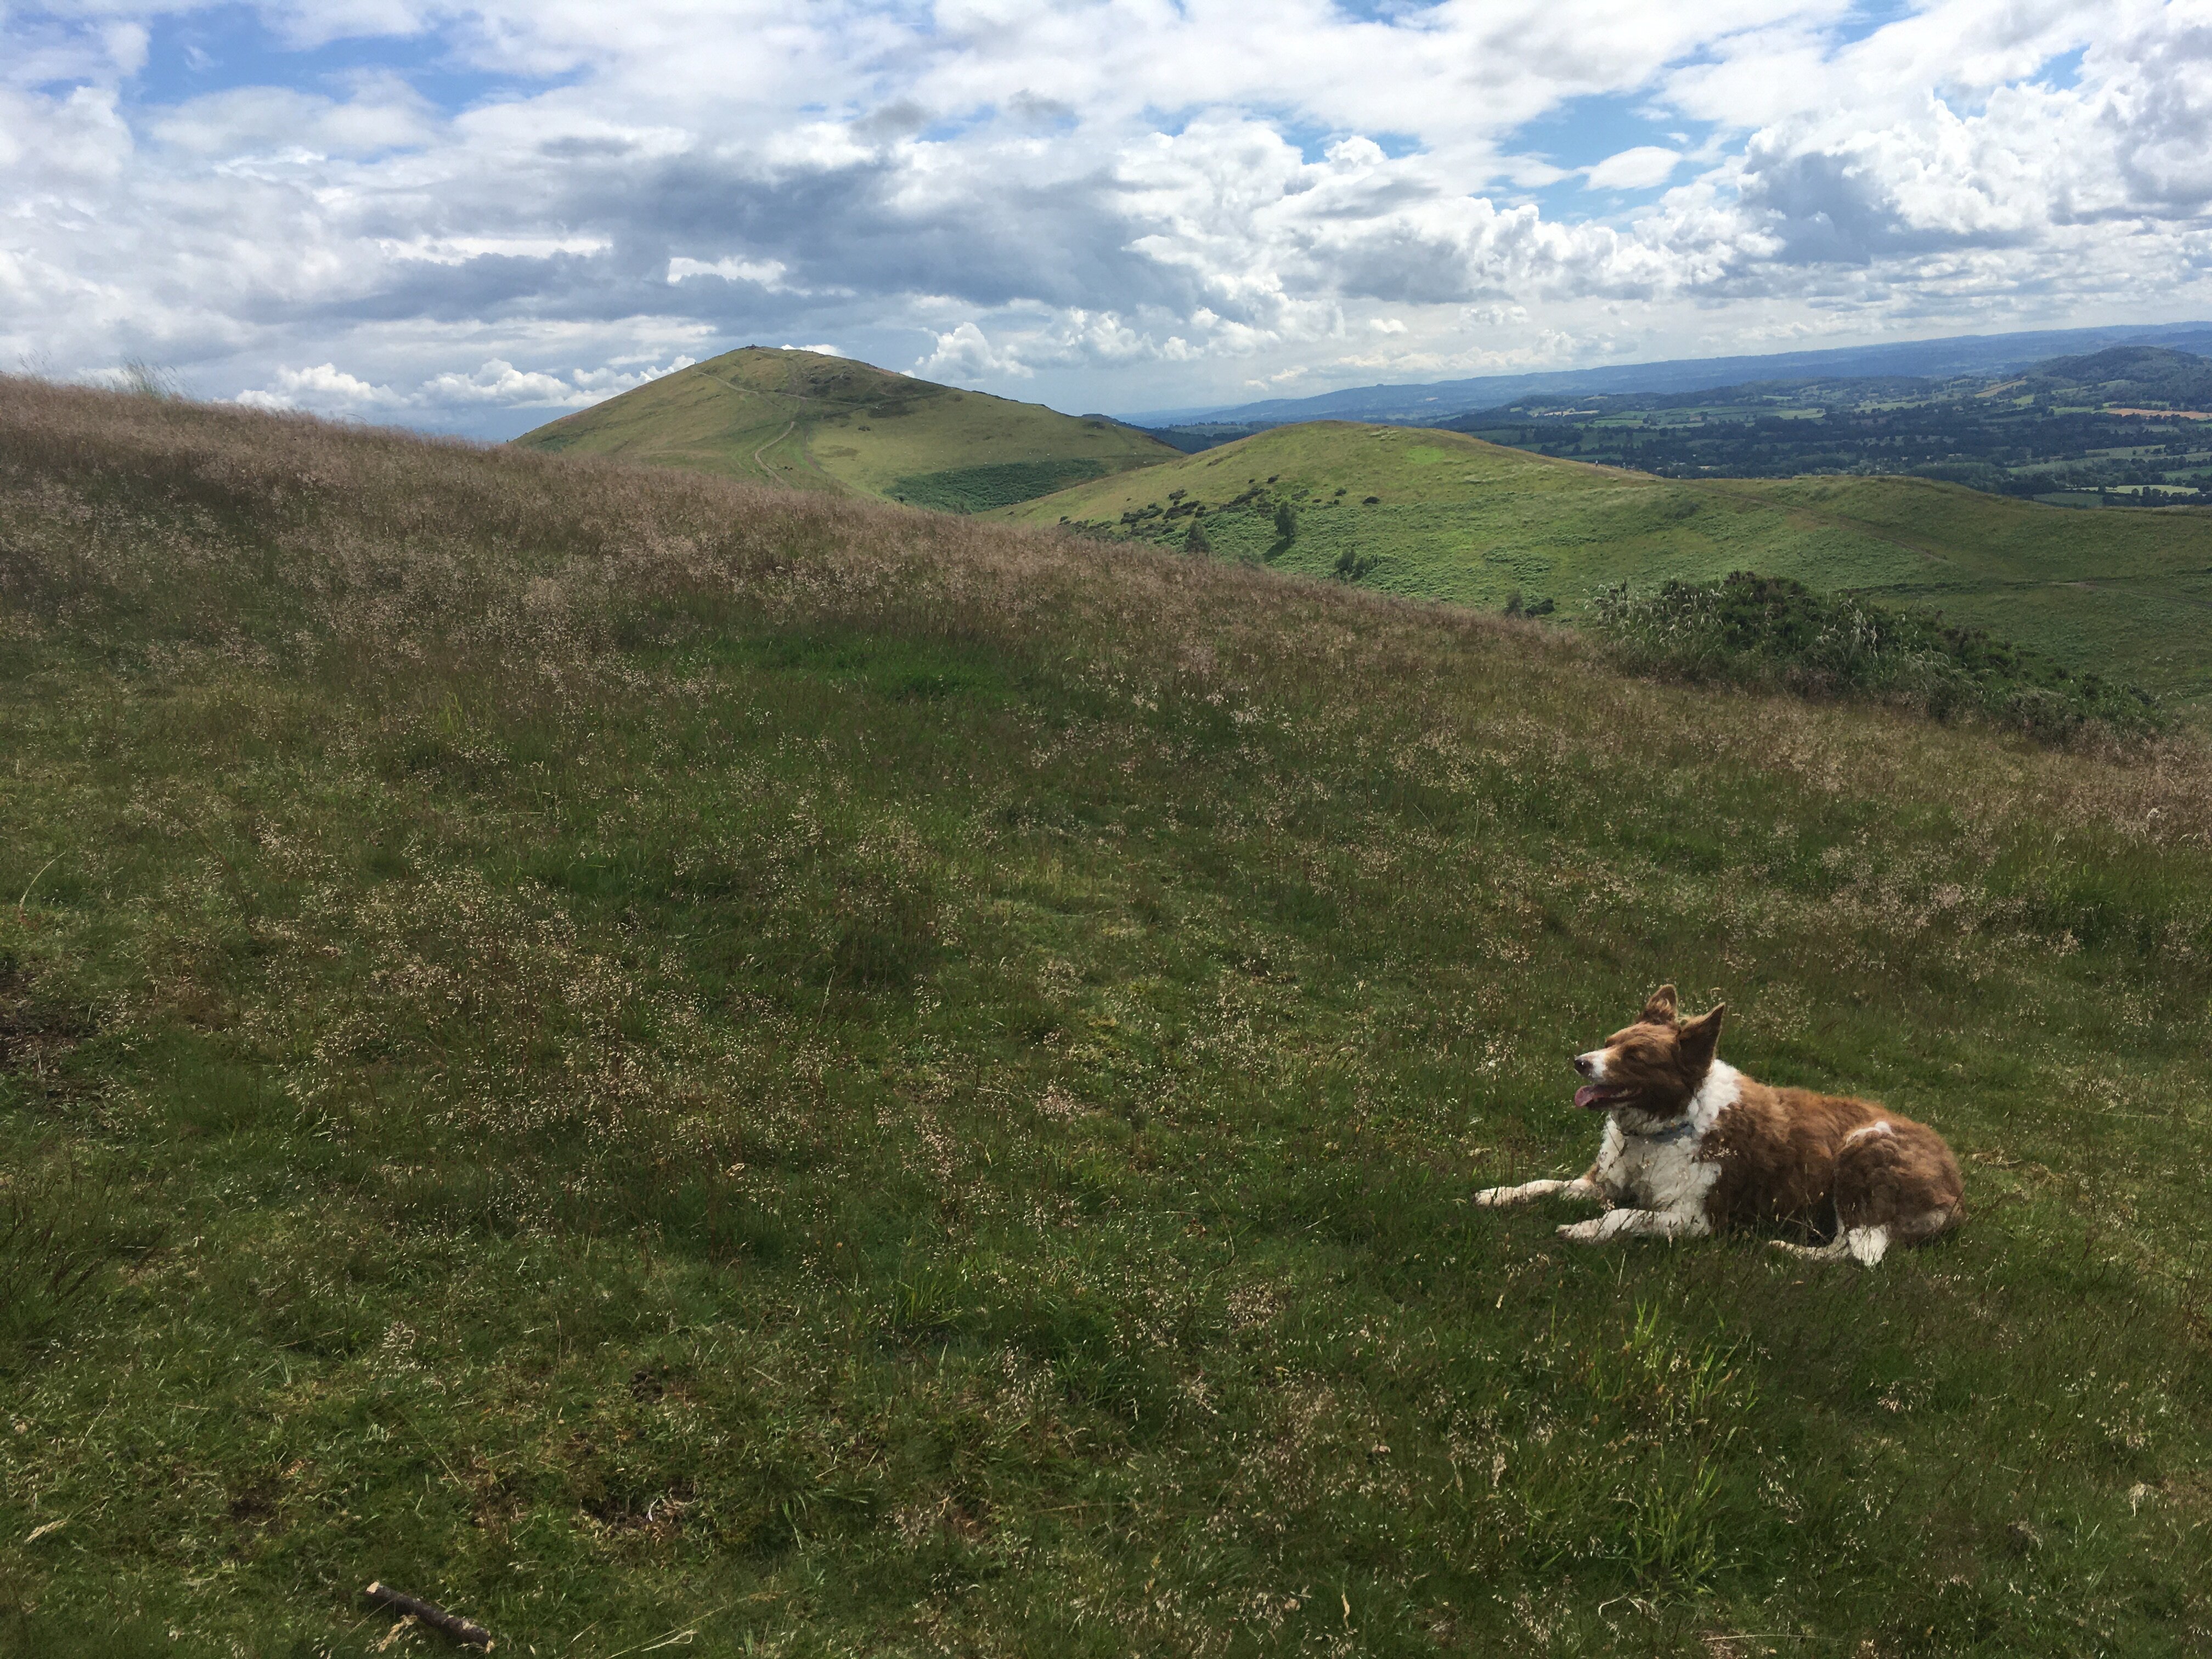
(1681, 1131)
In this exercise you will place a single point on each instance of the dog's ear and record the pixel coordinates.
(1659, 1008)
(1701, 1036)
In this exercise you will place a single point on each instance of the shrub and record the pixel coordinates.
(1768, 631)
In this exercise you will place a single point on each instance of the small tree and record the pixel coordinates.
(1195, 541)
(1286, 522)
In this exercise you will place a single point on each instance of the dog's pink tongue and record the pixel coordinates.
(1590, 1093)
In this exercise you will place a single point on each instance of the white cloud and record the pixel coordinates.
(762, 273)
(460, 250)
(1103, 201)
(965, 354)
(499, 381)
(613, 379)
(1644, 168)
(325, 388)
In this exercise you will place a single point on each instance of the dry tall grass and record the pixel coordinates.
(375, 558)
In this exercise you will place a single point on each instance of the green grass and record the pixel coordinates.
(636, 1055)
(799, 419)
(2126, 594)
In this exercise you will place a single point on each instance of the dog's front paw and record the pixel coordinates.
(1584, 1233)
(1492, 1198)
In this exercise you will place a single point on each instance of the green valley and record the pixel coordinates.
(803, 420)
(2122, 427)
(1432, 514)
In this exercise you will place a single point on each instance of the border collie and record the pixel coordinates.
(1693, 1145)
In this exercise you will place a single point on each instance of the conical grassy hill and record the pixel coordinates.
(659, 1061)
(803, 420)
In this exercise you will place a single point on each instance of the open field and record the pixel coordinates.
(800, 420)
(635, 1054)
(2128, 594)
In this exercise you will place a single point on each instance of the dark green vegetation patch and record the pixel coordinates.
(976, 488)
(679, 1067)
(1769, 631)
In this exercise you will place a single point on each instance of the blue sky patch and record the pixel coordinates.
(2063, 73)
(227, 47)
(1583, 131)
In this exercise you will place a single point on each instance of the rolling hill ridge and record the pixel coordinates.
(1432, 514)
(804, 419)
(1424, 403)
(1424, 513)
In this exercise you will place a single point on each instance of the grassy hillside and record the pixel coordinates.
(800, 420)
(2128, 594)
(663, 1062)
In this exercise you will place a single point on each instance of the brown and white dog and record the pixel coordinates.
(1693, 1145)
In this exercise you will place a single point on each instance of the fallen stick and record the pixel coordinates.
(431, 1615)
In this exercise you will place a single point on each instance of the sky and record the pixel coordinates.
(477, 217)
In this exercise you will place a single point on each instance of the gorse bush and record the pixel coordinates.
(1774, 633)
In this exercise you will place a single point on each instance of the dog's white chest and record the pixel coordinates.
(1647, 1172)
(1639, 1173)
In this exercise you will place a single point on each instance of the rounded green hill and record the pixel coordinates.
(805, 420)
(1433, 514)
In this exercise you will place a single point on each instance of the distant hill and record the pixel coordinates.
(1425, 514)
(2118, 427)
(1427, 403)
(803, 420)
(2155, 376)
